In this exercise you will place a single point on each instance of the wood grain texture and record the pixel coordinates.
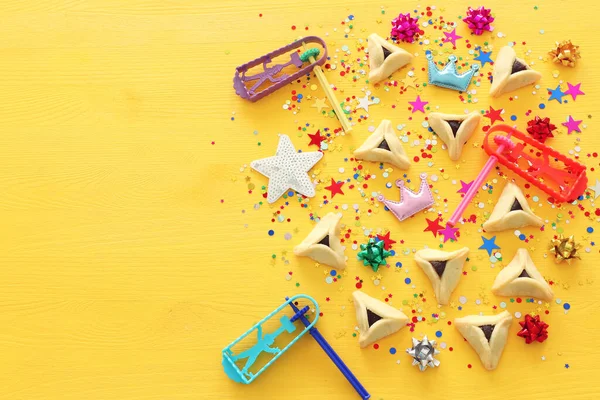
(132, 252)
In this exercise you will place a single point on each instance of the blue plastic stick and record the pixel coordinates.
(362, 392)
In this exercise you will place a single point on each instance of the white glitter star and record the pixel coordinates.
(287, 170)
(596, 189)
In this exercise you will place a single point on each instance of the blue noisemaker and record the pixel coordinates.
(265, 340)
(448, 77)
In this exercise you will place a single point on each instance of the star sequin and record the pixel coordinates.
(319, 104)
(418, 105)
(387, 241)
(451, 37)
(316, 139)
(494, 115)
(489, 245)
(574, 90)
(287, 170)
(556, 94)
(433, 226)
(465, 187)
(335, 187)
(572, 125)
(448, 232)
(484, 58)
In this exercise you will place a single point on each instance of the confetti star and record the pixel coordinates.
(409, 81)
(572, 125)
(448, 232)
(335, 188)
(364, 103)
(418, 105)
(489, 245)
(451, 37)
(494, 115)
(433, 226)
(465, 187)
(567, 366)
(316, 139)
(319, 104)
(484, 57)
(556, 94)
(596, 189)
(287, 170)
(387, 241)
(574, 90)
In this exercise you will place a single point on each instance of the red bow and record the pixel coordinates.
(533, 329)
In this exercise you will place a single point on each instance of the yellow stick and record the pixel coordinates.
(341, 116)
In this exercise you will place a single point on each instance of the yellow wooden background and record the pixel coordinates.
(131, 251)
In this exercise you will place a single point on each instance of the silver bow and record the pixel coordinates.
(423, 353)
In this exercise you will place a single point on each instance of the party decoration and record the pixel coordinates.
(287, 170)
(405, 28)
(540, 129)
(443, 268)
(521, 278)
(489, 245)
(448, 77)
(323, 243)
(565, 53)
(272, 77)
(423, 353)
(375, 318)
(533, 329)
(564, 178)
(487, 334)
(373, 254)
(511, 73)
(383, 146)
(479, 20)
(264, 344)
(454, 130)
(385, 58)
(410, 202)
(565, 249)
(511, 211)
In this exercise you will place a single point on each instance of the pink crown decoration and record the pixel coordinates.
(410, 202)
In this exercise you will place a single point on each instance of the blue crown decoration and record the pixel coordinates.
(448, 77)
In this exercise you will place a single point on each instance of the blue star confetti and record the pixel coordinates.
(556, 94)
(484, 57)
(489, 245)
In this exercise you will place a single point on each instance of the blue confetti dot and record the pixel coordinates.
(459, 308)
(393, 252)
(542, 106)
(590, 229)
(522, 236)
(350, 17)
(567, 306)
(392, 350)
(232, 118)
(438, 334)
(290, 193)
(333, 272)
(271, 232)
(407, 281)
(399, 264)
(513, 117)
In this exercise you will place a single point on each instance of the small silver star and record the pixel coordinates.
(287, 170)
(596, 189)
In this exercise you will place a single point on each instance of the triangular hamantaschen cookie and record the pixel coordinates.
(376, 319)
(323, 243)
(383, 146)
(443, 269)
(385, 58)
